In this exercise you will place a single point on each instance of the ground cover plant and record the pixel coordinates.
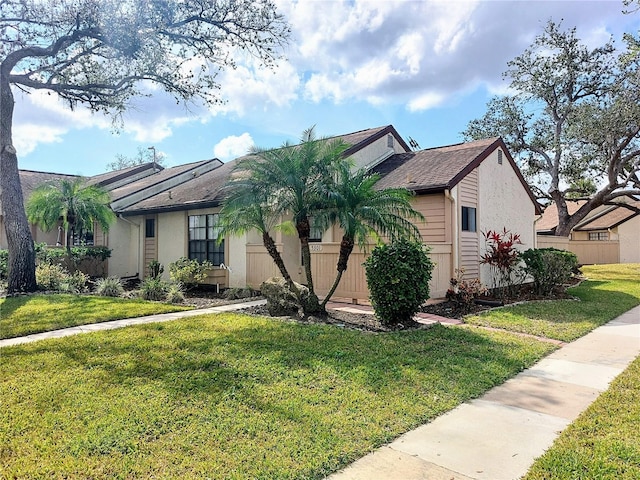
(609, 291)
(230, 396)
(604, 442)
(24, 315)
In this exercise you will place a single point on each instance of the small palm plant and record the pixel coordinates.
(363, 213)
(77, 205)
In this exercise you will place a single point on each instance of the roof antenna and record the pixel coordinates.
(154, 158)
(413, 144)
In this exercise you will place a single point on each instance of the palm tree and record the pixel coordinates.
(246, 207)
(294, 179)
(79, 206)
(361, 212)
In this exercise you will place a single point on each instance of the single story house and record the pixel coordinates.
(462, 190)
(608, 234)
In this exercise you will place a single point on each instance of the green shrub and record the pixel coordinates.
(109, 287)
(155, 269)
(75, 283)
(549, 267)
(189, 272)
(50, 276)
(398, 276)
(154, 289)
(175, 293)
(45, 254)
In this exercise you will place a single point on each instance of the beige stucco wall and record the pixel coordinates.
(38, 235)
(123, 239)
(237, 260)
(171, 230)
(629, 237)
(503, 202)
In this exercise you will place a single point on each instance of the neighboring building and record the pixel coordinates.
(608, 234)
(462, 190)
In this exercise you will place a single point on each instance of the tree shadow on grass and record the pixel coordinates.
(347, 390)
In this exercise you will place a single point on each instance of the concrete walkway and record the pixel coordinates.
(499, 435)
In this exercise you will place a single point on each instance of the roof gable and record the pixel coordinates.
(611, 216)
(442, 168)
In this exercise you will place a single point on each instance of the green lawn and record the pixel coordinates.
(231, 396)
(609, 291)
(29, 314)
(604, 442)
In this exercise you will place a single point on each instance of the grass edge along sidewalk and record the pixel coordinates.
(28, 314)
(603, 442)
(232, 396)
(608, 291)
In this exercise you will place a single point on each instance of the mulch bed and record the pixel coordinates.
(366, 322)
(524, 293)
(370, 323)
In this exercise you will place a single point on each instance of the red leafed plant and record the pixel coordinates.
(503, 258)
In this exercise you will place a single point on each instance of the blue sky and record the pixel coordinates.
(426, 67)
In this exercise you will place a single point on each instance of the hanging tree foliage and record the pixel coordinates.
(102, 53)
(573, 123)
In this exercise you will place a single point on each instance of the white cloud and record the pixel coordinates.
(420, 53)
(425, 102)
(233, 146)
(250, 87)
(416, 54)
(26, 136)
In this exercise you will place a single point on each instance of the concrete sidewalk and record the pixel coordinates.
(499, 435)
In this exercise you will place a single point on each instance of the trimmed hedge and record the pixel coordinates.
(398, 276)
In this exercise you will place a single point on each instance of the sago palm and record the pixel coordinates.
(363, 213)
(74, 203)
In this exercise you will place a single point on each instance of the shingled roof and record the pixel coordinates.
(205, 191)
(152, 185)
(30, 180)
(600, 218)
(200, 192)
(549, 220)
(438, 169)
(610, 216)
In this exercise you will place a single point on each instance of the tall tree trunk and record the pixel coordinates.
(346, 247)
(304, 231)
(22, 257)
(270, 245)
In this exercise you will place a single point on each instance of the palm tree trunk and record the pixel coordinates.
(22, 255)
(304, 231)
(346, 247)
(270, 245)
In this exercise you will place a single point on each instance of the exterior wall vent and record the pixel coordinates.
(499, 157)
(389, 140)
